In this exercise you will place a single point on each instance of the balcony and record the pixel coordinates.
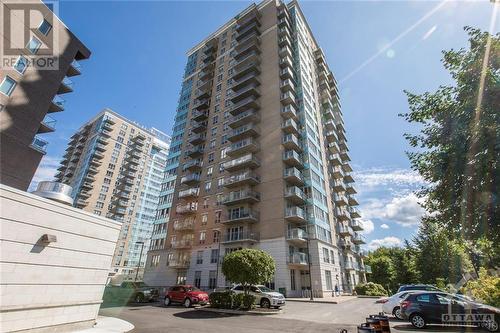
(349, 266)
(333, 147)
(287, 85)
(245, 67)
(206, 74)
(184, 225)
(119, 211)
(199, 127)
(345, 243)
(179, 264)
(252, 44)
(243, 196)
(92, 170)
(356, 225)
(293, 176)
(339, 199)
(245, 104)
(195, 152)
(350, 189)
(47, 125)
(298, 259)
(297, 236)
(252, 28)
(286, 73)
(240, 179)
(66, 86)
(81, 203)
(207, 58)
(292, 158)
(210, 46)
(331, 136)
(352, 201)
(338, 185)
(344, 156)
(250, 116)
(248, 145)
(201, 104)
(284, 41)
(182, 244)
(197, 139)
(189, 193)
(193, 165)
(249, 130)
(346, 167)
(290, 141)
(288, 98)
(190, 179)
(106, 133)
(295, 214)
(186, 209)
(39, 145)
(338, 173)
(131, 159)
(241, 236)
(251, 90)
(289, 112)
(244, 81)
(290, 126)
(247, 161)
(56, 105)
(342, 214)
(242, 216)
(251, 39)
(295, 195)
(358, 239)
(286, 62)
(348, 178)
(345, 231)
(74, 69)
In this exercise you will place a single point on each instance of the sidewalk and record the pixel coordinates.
(328, 300)
(109, 325)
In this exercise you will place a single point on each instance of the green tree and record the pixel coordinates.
(383, 271)
(248, 267)
(457, 151)
(485, 288)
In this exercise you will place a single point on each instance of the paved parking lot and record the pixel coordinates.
(295, 317)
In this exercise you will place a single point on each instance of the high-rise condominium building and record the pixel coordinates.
(35, 67)
(116, 168)
(259, 159)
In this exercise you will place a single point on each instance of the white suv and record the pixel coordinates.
(264, 296)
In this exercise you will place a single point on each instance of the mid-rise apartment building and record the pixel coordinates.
(116, 168)
(261, 161)
(29, 88)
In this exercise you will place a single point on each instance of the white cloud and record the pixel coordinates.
(390, 241)
(376, 177)
(429, 32)
(368, 226)
(384, 226)
(46, 171)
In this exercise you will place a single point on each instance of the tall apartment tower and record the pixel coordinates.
(259, 159)
(29, 92)
(116, 168)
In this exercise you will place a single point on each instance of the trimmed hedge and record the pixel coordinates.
(370, 289)
(231, 300)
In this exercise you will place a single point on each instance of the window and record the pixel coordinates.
(218, 215)
(21, 64)
(8, 85)
(212, 280)
(203, 236)
(216, 236)
(204, 219)
(326, 255)
(426, 298)
(208, 186)
(332, 256)
(328, 279)
(292, 279)
(210, 170)
(214, 256)
(206, 202)
(197, 279)
(45, 27)
(155, 260)
(33, 45)
(199, 257)
(211, 157)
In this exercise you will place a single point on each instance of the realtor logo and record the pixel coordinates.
(29, 33)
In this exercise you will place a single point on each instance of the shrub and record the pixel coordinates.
(370, 289)
(222, 300)
(486, 288)
(248, 301)
(238, 301)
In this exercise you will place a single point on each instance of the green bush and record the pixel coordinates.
(222, 300)
(485, 289)
(238, 301)
(248, 302)
(370, 289)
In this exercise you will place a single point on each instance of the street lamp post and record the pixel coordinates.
(139, 263)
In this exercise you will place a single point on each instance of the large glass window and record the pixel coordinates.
(7, 86)
(45, 27)
(33, 45)
(21, 64)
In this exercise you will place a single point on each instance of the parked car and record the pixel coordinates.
(129, 291)
(423, 308)
(423, 287)
(264, 296)
(391, 305)
(185, 294)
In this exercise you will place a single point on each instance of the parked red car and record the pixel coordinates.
(186, 295)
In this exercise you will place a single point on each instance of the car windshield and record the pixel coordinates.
(192, 289)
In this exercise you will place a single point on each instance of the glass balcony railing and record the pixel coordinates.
(298, 258)
(39, 145)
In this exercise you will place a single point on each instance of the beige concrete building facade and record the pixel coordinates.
(116, 168)
(30, 89)
(54, 263)
(261, 160)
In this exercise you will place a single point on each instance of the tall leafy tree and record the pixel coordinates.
(457, 149)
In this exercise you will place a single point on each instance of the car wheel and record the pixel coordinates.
(166, 301)
(491, 326)
(417, 320)
(187, 303)
(139, 298)
(397, 312)
(264, 303)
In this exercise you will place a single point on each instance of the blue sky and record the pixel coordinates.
(376, 49)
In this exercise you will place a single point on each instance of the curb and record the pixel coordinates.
(238, 312)
(309, 301)
(364, 296)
